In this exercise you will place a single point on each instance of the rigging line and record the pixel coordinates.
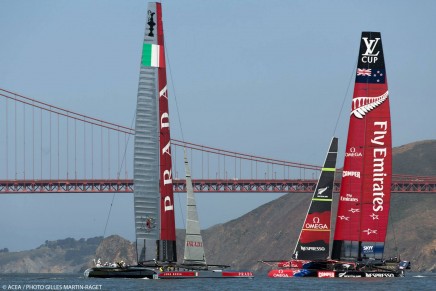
(126, 142)
(174, 92)
(393, 233)
(109, 215)
(180, 122)
(345, 96)
(118, 176)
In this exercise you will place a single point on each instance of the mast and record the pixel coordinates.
(314, 240)
(194, 250)
(153, 194)
(364, 200)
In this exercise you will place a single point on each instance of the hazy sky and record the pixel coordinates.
(259, 77)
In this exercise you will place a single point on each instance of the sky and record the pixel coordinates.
(266, 78)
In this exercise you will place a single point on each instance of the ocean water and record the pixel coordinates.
(412, 281)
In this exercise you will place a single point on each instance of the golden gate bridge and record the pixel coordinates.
(47, 149)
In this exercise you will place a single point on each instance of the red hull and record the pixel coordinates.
(292, 264)
(283, 273)
(204, 274)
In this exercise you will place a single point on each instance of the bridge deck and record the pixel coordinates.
(200, 185)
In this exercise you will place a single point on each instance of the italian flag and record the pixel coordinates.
(153, 55)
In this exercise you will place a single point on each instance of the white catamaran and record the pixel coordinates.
(153, 192)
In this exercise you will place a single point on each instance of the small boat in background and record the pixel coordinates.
(194, 263)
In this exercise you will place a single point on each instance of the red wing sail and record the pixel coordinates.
(364, 200)
(168, 229)
(313, 243)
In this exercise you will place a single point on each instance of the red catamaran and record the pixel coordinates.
(364, 201)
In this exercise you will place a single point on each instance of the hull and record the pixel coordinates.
(342, 269)
(288, 273)
(283, 273)
(363, 274)
(116, 272)
(217, 274)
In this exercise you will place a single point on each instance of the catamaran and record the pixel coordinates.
(153, 193)
(364, 200)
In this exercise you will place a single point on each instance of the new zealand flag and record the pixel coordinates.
(370, 76)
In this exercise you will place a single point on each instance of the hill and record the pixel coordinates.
(60, 256)
(268, 232)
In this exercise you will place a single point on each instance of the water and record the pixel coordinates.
(412, 281)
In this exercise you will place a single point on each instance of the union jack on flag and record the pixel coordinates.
(363, 72)
(377, 76)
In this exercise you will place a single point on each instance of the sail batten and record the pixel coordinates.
(194, 249)
(153, 193)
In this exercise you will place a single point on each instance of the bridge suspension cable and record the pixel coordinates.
(48, 149)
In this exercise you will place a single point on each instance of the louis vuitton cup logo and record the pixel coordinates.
(370, 56)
